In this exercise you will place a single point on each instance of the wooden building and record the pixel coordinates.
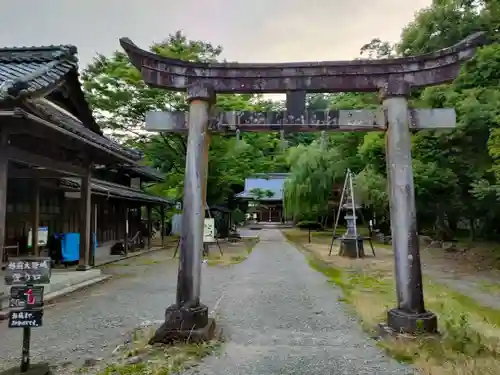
(57, 169)
(264, 192)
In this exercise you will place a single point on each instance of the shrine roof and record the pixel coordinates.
(273, 182)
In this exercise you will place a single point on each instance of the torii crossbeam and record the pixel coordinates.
(331, 121)
(392, 78)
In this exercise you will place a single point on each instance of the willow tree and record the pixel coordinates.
(313, 174)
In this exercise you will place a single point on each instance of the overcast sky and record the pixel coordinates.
(256, 30)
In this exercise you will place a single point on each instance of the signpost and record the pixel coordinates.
(26, 304)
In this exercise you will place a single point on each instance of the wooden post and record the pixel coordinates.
(125, 235)
(35, 218)
(62, 215)
(93, 238)
(85, 222)
(162, 225)
(117, 218)
(4, 167)
(150, 226)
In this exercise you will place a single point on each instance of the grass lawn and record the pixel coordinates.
(469, 340)
(233, 252)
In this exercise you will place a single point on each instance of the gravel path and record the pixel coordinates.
(280, 315)
(283, 318)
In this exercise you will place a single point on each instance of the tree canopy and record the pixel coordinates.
(120, 100)
(457, 173)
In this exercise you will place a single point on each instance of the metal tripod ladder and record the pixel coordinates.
(347, 201)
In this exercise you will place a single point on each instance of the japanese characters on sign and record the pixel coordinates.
(25, 318)
(329, 120)
(26, 297)
(28, 271)
(209, 230)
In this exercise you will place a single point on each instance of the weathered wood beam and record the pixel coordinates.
(296, 103)
(4, 167)
(15, 173)
(149, 225)
(325, 76)
(85, 204)
(35, 217)
(331, 121)
(26, 157)
(72, 136)
(162, 225)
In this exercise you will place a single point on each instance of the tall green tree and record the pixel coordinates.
(121, 99)
(456, 172)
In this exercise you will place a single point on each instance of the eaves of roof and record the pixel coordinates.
(28, 74)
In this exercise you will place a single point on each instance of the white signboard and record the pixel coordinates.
(209, 230)
(43, 236)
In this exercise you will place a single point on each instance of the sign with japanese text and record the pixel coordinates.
(26, 297)
(25, 318)
(209, 230)
(33, 270)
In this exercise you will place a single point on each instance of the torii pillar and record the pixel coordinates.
(410, 314)
(188, 319)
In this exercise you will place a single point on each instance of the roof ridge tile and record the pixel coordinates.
(38, 54)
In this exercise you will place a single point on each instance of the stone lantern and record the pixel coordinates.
(349, 239)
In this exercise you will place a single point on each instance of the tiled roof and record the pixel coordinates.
(273, 182)
(108, 188)
(105, 187)
(32, 72)
(145, 171)
(27, 70)
(76, 126)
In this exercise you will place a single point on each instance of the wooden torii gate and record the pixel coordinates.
(392, 78)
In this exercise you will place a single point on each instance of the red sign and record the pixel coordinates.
(30, 298)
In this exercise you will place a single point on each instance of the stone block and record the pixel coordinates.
(185, 324)
(348, 248)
